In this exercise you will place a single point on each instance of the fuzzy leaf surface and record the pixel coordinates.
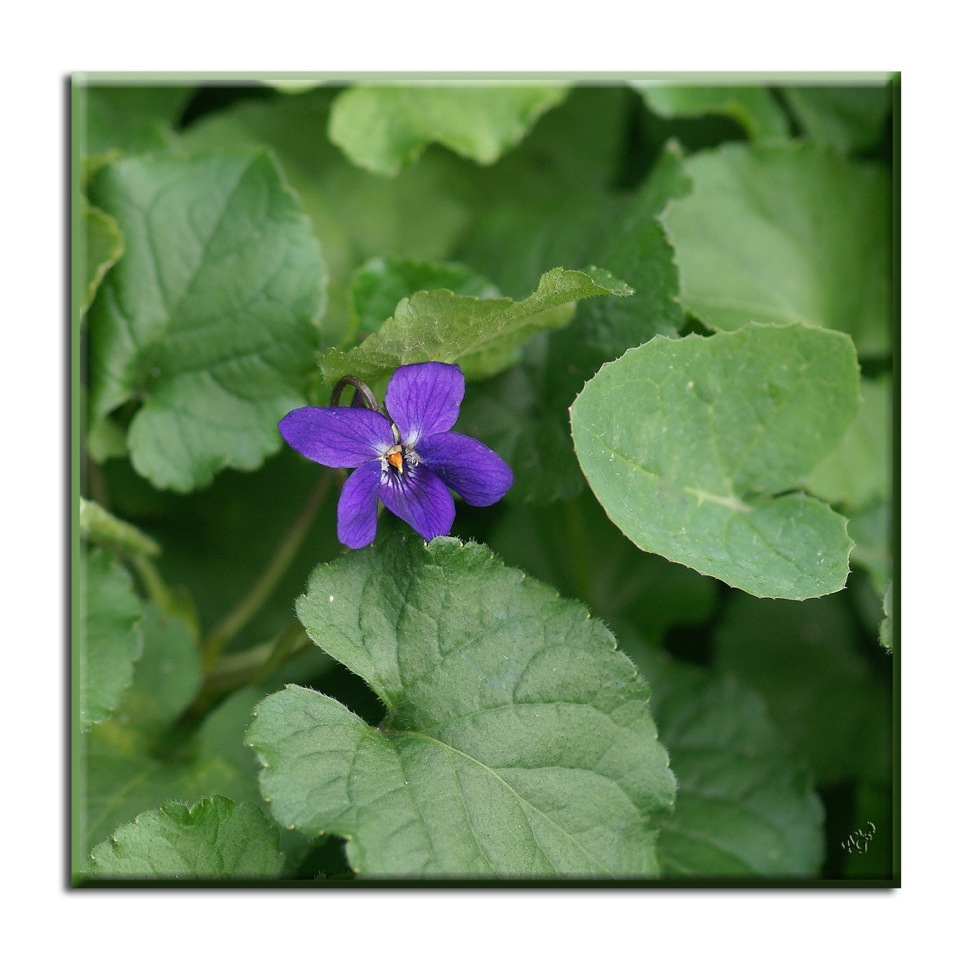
(694, 446)
(518, 741)
(208, 321)
(214, 839)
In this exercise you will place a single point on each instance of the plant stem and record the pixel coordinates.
(248, 668)
(216, 640)
(580, 551)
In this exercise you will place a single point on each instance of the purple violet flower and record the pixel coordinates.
(408, 460)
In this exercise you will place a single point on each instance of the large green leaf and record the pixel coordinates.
(356, 215)
(517, 742)
(778, 234)
(694, 446)
(111, 635)
(386, 128)
(214, 839)
(209, 319)
(754, 108)
(745, 805)
(804, 659)
(480, 335)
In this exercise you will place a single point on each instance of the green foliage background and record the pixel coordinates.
(667, 655)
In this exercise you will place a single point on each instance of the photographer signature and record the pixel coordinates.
(857, 842)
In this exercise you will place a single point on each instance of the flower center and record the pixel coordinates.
(400, 456)
(394, 456)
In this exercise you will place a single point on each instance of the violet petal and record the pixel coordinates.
(471, 468)
(358, 506)
(424, 398)
(337, 436)
(421, 499)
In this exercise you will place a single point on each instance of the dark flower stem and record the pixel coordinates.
(363, 393)
(216, 640)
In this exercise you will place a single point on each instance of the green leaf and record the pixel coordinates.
(209, 319)
(694, 446)
(215, 839)
(111, 635)
(804, 659)
(745, 806)
(846, 118)
(859, 470)
(782, 234)
(377, 286)
(356, 215)
(100, 527)
(386, 128)
(480, 335)
(754, 108)
(104, 246)
(518, 740)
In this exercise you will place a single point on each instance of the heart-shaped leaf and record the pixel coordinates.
(518, 740)
(209, 319)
